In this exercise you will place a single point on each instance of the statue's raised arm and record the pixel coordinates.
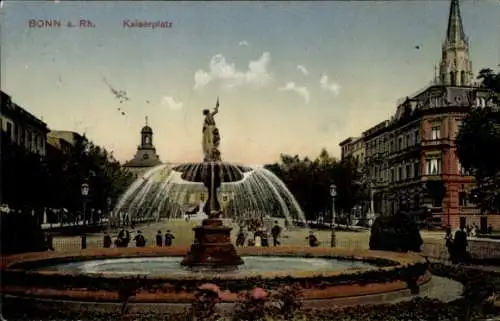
(216, 109)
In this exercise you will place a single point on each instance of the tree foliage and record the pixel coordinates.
(309, 181)
(478, 143)
(34, 181)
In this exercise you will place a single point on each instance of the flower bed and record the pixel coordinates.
(415, 310)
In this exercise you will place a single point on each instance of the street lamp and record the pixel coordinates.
(108, 203)
(333, 194)
(85, 193)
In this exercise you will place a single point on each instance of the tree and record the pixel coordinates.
(309, 181)
(478, 137)
(32, 181)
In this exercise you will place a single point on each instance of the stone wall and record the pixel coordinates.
(478, 248)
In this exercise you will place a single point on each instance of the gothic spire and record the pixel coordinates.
(455, 31)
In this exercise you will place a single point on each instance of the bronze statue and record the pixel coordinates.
(211, 136)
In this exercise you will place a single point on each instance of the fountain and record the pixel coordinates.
(70, 280)
(171, 191)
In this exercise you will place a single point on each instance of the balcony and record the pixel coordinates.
(442, 142)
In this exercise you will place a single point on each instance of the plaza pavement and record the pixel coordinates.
(183, 233)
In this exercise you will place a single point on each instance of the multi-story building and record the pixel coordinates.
(145, 157)
(411, 158)
(353, 147)
(62, 142)
(22, 127)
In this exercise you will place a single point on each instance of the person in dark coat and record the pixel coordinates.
(240, 239)
(450, 246)
(106, 241)
(123, 238)
(159, 239)
(275, 233)
(312, 239)
(460, 245)
(168, 238)
(139, 239)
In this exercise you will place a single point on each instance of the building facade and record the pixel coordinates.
(145, 158)
(22, 127)
(61, 142)
(411, 159)
(353, 147)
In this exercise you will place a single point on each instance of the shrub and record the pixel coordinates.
(21, 233)
(204, 307)
(397, 233)
(252, 306)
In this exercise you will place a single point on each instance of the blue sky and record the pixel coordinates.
(356, 59)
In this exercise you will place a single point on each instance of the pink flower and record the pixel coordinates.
(210, 287)
(259, 294)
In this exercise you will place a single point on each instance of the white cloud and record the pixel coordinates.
(302, 69)
(227, 73)
(299, 90)
(243, 43)
(171, 103)
(326, 85)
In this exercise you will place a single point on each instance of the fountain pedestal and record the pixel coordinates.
(212, 246)
(212, 240)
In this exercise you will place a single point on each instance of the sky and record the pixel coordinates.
(292, 77)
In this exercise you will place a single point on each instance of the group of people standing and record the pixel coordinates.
(123, 239)
(259, 236)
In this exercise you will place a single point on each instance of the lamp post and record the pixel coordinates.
(85, 193)
(333, 194)
(108, 203)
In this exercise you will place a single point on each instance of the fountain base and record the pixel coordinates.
(212, 246)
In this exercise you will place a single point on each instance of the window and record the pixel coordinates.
(458, 123)
(416, 169)
(409, 142)
(392, 174)
(9, 130)
(462, 199)
(408, 171)
(462, 78)
(400, 143)
(147, 140)
(435, 132)
(145, 156)
(417, 137)
(433, 166)
(400, 173)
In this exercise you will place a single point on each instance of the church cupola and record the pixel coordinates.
(146, 135)
(146, 156)
(455, 67)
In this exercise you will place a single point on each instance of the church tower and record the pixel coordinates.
(455, 68)
(146, 156)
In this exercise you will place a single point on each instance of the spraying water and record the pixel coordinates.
(168, 191)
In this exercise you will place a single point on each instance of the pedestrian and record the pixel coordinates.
(168, 238)
(460, 245)
(106, 242)
(450, 246)
(275, 233)
(240, 239)
(159, 239)
(312, 239)
(139, 239)
(50, 241)
(333, 239)
(123, 238)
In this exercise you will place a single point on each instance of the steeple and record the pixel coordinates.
(455, 31)
(455, 68)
